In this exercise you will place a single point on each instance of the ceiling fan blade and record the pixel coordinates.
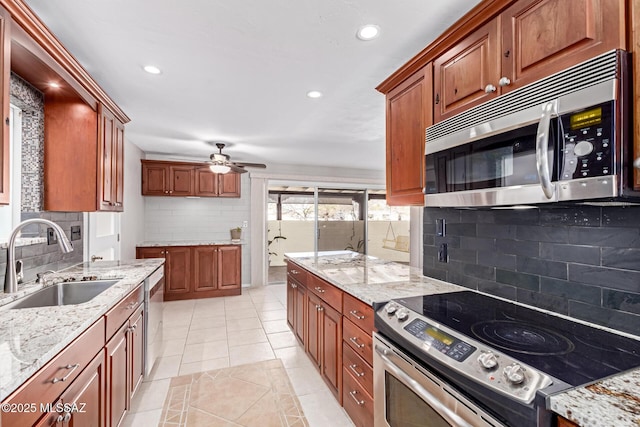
(251, 165)
(237, 169)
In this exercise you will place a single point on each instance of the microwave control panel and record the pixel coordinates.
(588, 143)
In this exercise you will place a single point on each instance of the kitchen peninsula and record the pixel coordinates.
(373, 281)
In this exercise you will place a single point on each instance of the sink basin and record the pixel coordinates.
(68, 293)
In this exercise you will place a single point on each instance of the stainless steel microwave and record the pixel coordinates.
(563, 138)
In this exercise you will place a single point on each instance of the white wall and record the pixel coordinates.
(132, 219)
(205, 219)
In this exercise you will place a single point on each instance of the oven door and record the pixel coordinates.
(406, 395)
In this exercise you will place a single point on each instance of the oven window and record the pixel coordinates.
(405, 409)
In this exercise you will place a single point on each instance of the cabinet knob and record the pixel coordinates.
(166, 191)
(636, 163)
(490, 88)
(504, 81)
(170, 191)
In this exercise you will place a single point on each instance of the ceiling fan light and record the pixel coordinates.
(219, 168)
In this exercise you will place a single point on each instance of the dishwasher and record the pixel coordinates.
(153, 308)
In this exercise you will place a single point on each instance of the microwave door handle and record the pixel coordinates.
(542, 147)
(419, 390)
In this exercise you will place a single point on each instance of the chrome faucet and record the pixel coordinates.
(10, 282)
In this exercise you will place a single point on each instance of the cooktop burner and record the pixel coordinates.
(522, 337)
(570, 351)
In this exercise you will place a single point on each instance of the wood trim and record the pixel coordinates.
(5, 75)
(471, 21)
(633, 43)
(37, 30)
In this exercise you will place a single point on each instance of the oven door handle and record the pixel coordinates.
(542, 146)
(429, 398)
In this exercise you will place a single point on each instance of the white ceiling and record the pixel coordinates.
(238, 71)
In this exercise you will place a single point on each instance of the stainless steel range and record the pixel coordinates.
(467, 359)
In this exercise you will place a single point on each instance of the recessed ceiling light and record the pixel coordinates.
(152, 69)
(314, 94)
(54, 85)
(368, 32)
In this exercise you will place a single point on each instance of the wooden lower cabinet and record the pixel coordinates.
(124, 354)
(198, 271)
(297, 308)
(356, 401)
(331, 340)
(314, 325)
(85, 399)
(563, 422)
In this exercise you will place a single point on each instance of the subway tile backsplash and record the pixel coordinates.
(582, 261)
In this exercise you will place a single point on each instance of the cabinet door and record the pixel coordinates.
(136, 345)
(86, 397)
(467, 74)
(177, 270)
(291, 303)
(634, 46)
(314, 328)
(332, 349)
(5, 69)
(409, 112)
(111, 157)
(155, 179)
(118, 178)
(541, 37)
(205, 262)
(116, 369)
(206, 182)
(229, 267)
(181, 181)
(229, 184)
(301, 312)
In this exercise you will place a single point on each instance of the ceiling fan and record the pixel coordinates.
(221, 163)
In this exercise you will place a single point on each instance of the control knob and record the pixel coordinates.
(488, 360)
(583, 148)
(402, 314)
(391, 308)
(514, 373)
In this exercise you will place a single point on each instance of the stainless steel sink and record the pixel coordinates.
(68, 293)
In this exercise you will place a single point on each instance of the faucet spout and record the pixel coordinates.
(11, 283)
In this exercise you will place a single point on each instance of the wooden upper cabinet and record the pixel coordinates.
(634, 47)
(181, 180)
(229, 185)
(206, 182)
(110, 161)
(468, 73)
(409, 112)
(541, 37)
(166, 178)
(5, 72)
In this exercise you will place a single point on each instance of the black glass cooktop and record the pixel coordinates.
(572, 352)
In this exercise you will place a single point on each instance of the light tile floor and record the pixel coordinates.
(206, 334)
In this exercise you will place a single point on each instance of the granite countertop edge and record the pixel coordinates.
(160, 243)
(616, 398)
(31, 337)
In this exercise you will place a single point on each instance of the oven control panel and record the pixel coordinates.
(441, 341)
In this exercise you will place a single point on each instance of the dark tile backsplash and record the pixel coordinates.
(42, 257)
(582, 261)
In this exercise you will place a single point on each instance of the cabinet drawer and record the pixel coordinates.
(63, 369)
(360, 313)
(358, 340)
(358, 368)
(121, 312)
(356, 401)
(297, 273)
(327, 292)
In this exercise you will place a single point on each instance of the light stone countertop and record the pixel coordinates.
(191, 243)
(30, 337)
(613, 402)
(368, 278)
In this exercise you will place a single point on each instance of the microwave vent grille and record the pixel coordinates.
(594, 71)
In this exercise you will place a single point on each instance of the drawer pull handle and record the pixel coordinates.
(353, 396)
(357, 315)
(295, 271)
(354, 340)
(67, 417)
(293, 285)
(355, 371)
(72, 367)
(319, 308)
(131, 305)
(319, 289)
